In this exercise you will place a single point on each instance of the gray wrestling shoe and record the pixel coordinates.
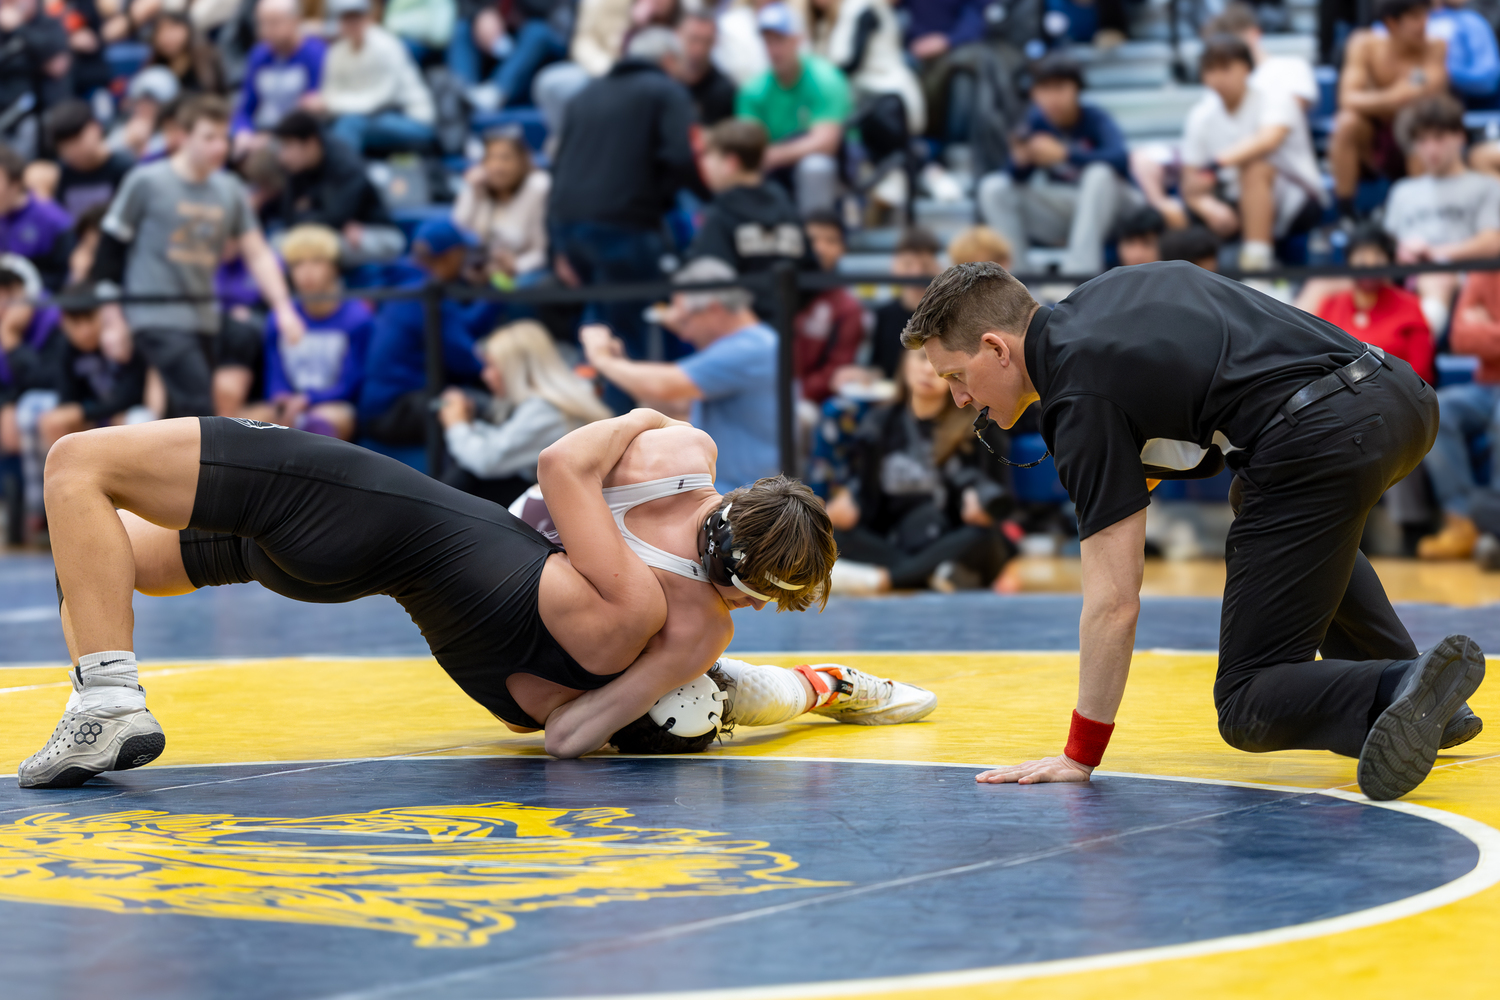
(84, 745)
(867, 700)
(1402, 745)
(1462, 728)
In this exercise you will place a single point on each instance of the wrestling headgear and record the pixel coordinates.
(721, 561)
(691, 710)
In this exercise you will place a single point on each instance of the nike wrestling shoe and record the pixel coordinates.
(84, 745)
(866, 700)
(1400, 749)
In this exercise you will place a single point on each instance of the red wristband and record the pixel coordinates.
(1087, 740)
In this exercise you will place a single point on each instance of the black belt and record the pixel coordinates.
(1347, 377)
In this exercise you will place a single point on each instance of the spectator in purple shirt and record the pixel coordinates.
(29, 226)
(312, 381)
(284, 65)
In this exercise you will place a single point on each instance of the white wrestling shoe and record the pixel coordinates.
(83, 745)
(867, 700)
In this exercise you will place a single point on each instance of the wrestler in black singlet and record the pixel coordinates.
(324, 521)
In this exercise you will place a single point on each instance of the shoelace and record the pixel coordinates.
(867, 690)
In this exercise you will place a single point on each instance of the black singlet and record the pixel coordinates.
(323, 521)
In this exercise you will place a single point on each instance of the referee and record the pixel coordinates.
(1168, 371)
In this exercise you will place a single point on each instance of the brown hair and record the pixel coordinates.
(1439, 113)
(784, 532)
(12, 164)
(1220, 51)
(979, 243)
(1236, 19)
(918, 239)
(745, 139)
(964, 303)
(201, 108)
(517, 143)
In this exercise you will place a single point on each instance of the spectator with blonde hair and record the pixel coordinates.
(980, 243)
(536, 401)
(312, 380)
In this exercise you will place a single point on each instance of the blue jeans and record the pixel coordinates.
(1464, 412)
(463, 55)
(603, 253)
(536, 45)
(383, 132)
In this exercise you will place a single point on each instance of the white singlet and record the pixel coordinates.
(622, 498)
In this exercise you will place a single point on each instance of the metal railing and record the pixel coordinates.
(784, 285)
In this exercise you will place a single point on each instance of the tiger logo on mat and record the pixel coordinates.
(446, 876)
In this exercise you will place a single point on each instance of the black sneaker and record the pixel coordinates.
(1401, 746)
(1462, 728)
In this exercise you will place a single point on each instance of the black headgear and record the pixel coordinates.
(721, 561)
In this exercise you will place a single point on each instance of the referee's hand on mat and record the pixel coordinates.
(1034, 772)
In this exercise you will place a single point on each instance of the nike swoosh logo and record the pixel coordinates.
(110, 663)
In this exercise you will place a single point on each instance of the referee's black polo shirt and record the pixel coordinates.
(1143, 370)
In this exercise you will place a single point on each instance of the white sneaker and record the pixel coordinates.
(83, 745)
(855, 579)
(867, 700)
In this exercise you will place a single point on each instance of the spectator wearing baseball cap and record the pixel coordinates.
(803, 101)
(393, 400)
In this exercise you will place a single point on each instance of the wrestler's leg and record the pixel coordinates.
(148, 469)
(101, 554)
(767, 695)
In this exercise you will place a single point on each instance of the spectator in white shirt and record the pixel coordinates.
(1247, 160)
(1291, 75)
(504, 203)
(371, 86)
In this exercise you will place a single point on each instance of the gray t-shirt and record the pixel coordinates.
(1443, 209)
(176, 231)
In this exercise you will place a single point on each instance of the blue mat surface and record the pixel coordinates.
(252, 621)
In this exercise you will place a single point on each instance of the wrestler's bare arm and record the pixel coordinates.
(694, 637)
(602, 601)
(658, 454)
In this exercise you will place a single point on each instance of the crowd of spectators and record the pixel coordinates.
(243, 171)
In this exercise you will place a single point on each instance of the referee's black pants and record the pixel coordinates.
(1297, 582)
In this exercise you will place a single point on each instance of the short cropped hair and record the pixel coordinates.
(1438, 113)
(90, 220)
(826, 217)
(1371, 234)
(1394, 10)
(1236, 19)
(12, 164)
(1140, 223)
(1056, 67)
(745, 139)
(1194, 243)
(66, 120)
(918, 239)
(980, 243)
(300, 125)
(781, 527)
(310, 242)
(1222, 50)
(202, 108)
(81, 298)
(964, 303)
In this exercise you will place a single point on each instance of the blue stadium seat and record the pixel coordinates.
(412, 455)
(528, 120)
(1328, 91)
(1455, 369)
(1038, 485)
(125, 59)
(11, 492)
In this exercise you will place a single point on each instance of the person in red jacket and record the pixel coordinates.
(1376, 311)
(831, 327)
(1464, 412)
